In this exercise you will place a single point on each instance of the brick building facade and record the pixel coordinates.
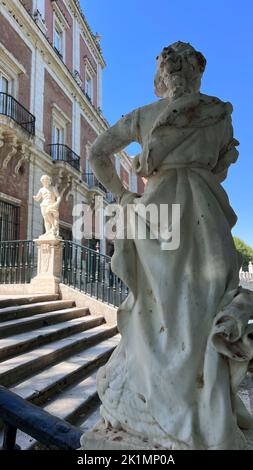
(50, 113)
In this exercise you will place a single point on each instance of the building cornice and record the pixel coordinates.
(38, 40)
(60, 15)
(75, 8)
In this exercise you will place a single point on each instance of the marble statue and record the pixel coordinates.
(51, 199)
(186, 341)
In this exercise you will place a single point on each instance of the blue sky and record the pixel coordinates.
(134, 32)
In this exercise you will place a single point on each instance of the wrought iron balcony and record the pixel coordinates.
(63, 153)
(10, 107)
(93, 182)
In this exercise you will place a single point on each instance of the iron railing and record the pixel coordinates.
(9, 221)
(17, 261)
(47, 429)
(82, 268)
(90, 272)
(93, 182)
(61, 152)
(10, 107)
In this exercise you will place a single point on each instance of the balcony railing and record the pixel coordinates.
(63, 153)
(93, 182)
(10, 107)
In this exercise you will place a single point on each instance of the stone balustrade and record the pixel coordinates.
(247, 275)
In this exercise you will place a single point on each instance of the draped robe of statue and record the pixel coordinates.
(186, 339)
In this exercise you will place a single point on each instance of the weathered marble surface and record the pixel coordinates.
(186, 342)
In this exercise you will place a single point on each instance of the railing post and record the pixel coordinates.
(9, 439)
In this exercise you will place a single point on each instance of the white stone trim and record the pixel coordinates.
(11, 69)
(84, 38)
(117, 164)
(88, 37)
(6, 9)
(37, 94)
(99, 87)
(64, 224)
(10, 61)
(39, 5)
(76, 128)
(59, 115)
(88, 67)
(76, 46)
(125, 164)
(134, 183)
(12, 200)
(91, 124)
(58, 25)
(60, 16)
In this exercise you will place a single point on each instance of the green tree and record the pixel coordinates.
(245, 250)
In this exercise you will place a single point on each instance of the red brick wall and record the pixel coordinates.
(18, 188)
(140, 185)
(49, 19)
(12, 41)
(84, 52)
(28, 4)
(54, 94)
(66, 208)
(87, 135)
(124, 176)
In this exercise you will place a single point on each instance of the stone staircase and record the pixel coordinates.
(50, 351)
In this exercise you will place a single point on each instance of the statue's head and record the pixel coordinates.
(179, 70)
(46, 181)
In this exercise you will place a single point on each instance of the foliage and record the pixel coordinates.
(245, 250)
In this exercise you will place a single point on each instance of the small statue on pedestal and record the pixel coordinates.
(51, 199)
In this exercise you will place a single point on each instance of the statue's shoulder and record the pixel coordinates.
(214, 101)
(153, 108)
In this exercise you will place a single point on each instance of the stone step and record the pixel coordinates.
(44, 385)
(75, 400)
(21, 367)
(69, 405)
(87, 423)
(12, 313)
(22, 325)
(75, 379)
(21, 343)
(5, 301)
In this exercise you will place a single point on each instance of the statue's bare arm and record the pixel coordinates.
(113, 140)
(58, 197)
(38, 196)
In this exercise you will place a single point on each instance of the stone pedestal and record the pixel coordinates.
(103, 438)
(49, 266)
